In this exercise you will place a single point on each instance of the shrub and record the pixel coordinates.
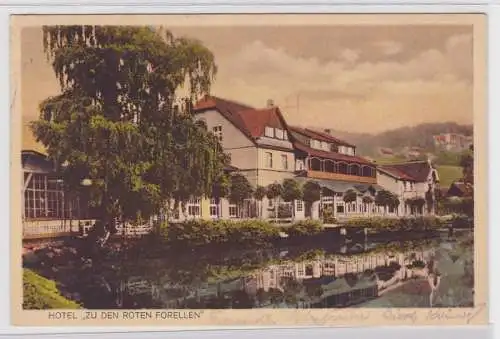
(204, 232)
(305, 227)
(377, 223)
(328, 217)
(416, 264)
(396, 224)
(40, 293)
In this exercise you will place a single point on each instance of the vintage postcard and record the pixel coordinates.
(196, 170)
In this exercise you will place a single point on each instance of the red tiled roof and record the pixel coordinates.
(247, 119)
(229, 109)
(413, 170)
(319, 135)
(331, 155)
(394, 172)
(256, 120)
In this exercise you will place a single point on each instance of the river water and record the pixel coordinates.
(422, 273)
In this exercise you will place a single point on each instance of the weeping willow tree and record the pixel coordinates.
(120, 121)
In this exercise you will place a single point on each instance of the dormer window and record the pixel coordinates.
(278, 133)
(315, 144)
(269, 132)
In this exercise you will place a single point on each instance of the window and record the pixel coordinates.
(327, 200)
(404, 182)
(194, 208)
(285, 135)
(300, 271)
(309, 270)
(300, 205)
(284, 161)
(217, 130)
(340, 208)
(271, 203)
(278, 133)
(214, 208)
(269, 160)
(44, 198)
(299, 165)
(325, 146)
(269, 132)
(233, 211)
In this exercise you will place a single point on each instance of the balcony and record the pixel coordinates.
(341, 177)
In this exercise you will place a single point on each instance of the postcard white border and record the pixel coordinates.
(492, 12)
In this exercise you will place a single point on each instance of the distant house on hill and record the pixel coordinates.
(413, 154)
(453, 142)
(386, 152)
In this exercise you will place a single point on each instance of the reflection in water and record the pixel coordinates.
(423, 273)
(413, 274)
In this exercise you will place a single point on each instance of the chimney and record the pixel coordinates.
(270, 103)
(328, 131)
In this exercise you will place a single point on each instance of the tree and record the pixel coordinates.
(416, 203)
(350, 196)
(311, 192)
(119, 122)
(240, 190)
(467, 164)
(386, 198)
(274, 191)
(259, 194)
(367, 200)
(429, 199)
(291, 191)
(394, 202)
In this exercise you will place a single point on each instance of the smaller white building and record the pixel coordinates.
(414, 182)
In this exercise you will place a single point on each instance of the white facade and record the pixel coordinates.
(260, 163)
(406, 189)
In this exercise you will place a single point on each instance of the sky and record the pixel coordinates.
(365, 79)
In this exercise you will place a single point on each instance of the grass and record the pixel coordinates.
(448, 174)
(389, 160)
(40, 293)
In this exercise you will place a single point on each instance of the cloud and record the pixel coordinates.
(347, 93)
(389, 47)
(349, 55)
(350, 84)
